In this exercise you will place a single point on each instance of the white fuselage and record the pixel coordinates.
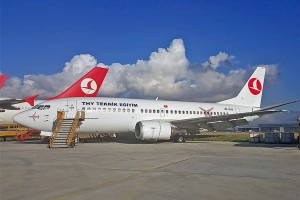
(113, 115)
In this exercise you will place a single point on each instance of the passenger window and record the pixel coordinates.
(182, 112)
(114, 109)
(124, 110)
(89, 109)
(171, 111)
(179, 111)
(128, 110)
(133, 110)
(94, 109)
(99, 109)
(198, 112)
(167, 111)
(150, 111)
(83, 108)
(142, 110)
(154, 111)
(119, 109)
(104, 109)
(109, 109)
(175, 111)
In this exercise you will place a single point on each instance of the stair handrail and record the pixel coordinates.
(73, 129)
(60, 118)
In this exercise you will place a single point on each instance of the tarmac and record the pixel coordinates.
(116, 170)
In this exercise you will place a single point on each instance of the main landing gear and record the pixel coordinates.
(179, 138)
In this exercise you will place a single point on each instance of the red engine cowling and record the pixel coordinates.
(153, 130)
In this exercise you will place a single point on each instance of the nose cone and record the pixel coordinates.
(23, 118)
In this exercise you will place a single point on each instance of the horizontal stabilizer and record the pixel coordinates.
(279, 105)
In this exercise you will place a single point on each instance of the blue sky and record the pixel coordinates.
(40, 36)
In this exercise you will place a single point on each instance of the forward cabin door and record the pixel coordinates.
(71, 108)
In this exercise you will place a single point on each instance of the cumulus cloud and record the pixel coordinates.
(167, 74)
(218, 60)
(49, 85)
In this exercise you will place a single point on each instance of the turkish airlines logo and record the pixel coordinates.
(88, 86)
(207, 112)
(254, 86)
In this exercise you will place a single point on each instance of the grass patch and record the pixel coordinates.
(224, 138)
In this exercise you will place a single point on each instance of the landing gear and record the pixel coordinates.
(179, 138)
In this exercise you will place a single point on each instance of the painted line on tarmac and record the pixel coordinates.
(116, 181)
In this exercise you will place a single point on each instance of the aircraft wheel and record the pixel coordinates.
(179, 139)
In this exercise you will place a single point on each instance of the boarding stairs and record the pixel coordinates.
(64, 133)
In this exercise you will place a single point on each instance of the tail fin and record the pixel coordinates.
(87, 86)
(3, 78)
(251, 93)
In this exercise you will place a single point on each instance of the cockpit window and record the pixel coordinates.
(43, 107)
(35, 107)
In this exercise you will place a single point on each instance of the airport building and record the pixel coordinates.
(269, 128)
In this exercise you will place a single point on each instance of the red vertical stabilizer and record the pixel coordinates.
(31, 99)
(3, 78)
(87, 86)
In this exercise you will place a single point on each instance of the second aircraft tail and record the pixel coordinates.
(3, 78)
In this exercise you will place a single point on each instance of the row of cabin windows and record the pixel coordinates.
(128, 110)
(108, 109)
(182, 112)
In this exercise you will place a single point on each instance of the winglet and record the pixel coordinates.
(31, 99)
(87, 86)
(3, 78)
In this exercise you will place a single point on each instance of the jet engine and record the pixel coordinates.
(153, 130)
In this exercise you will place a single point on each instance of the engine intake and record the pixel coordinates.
(153, 130)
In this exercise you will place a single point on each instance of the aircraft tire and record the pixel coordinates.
(179, 138)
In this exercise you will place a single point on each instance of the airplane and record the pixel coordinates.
(3, 78)
(153, 119)
(86, 86)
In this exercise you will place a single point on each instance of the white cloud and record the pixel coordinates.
(220, 59)
(49, 85)
(166, 74)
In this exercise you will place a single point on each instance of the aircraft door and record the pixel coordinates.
(162, 112)
(71, 108)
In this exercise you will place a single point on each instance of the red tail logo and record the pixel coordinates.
(254, 86)
(88, 86)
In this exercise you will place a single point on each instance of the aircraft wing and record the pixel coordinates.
(220, 122)
(8, 103)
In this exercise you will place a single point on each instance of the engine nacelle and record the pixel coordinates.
(153, 130)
